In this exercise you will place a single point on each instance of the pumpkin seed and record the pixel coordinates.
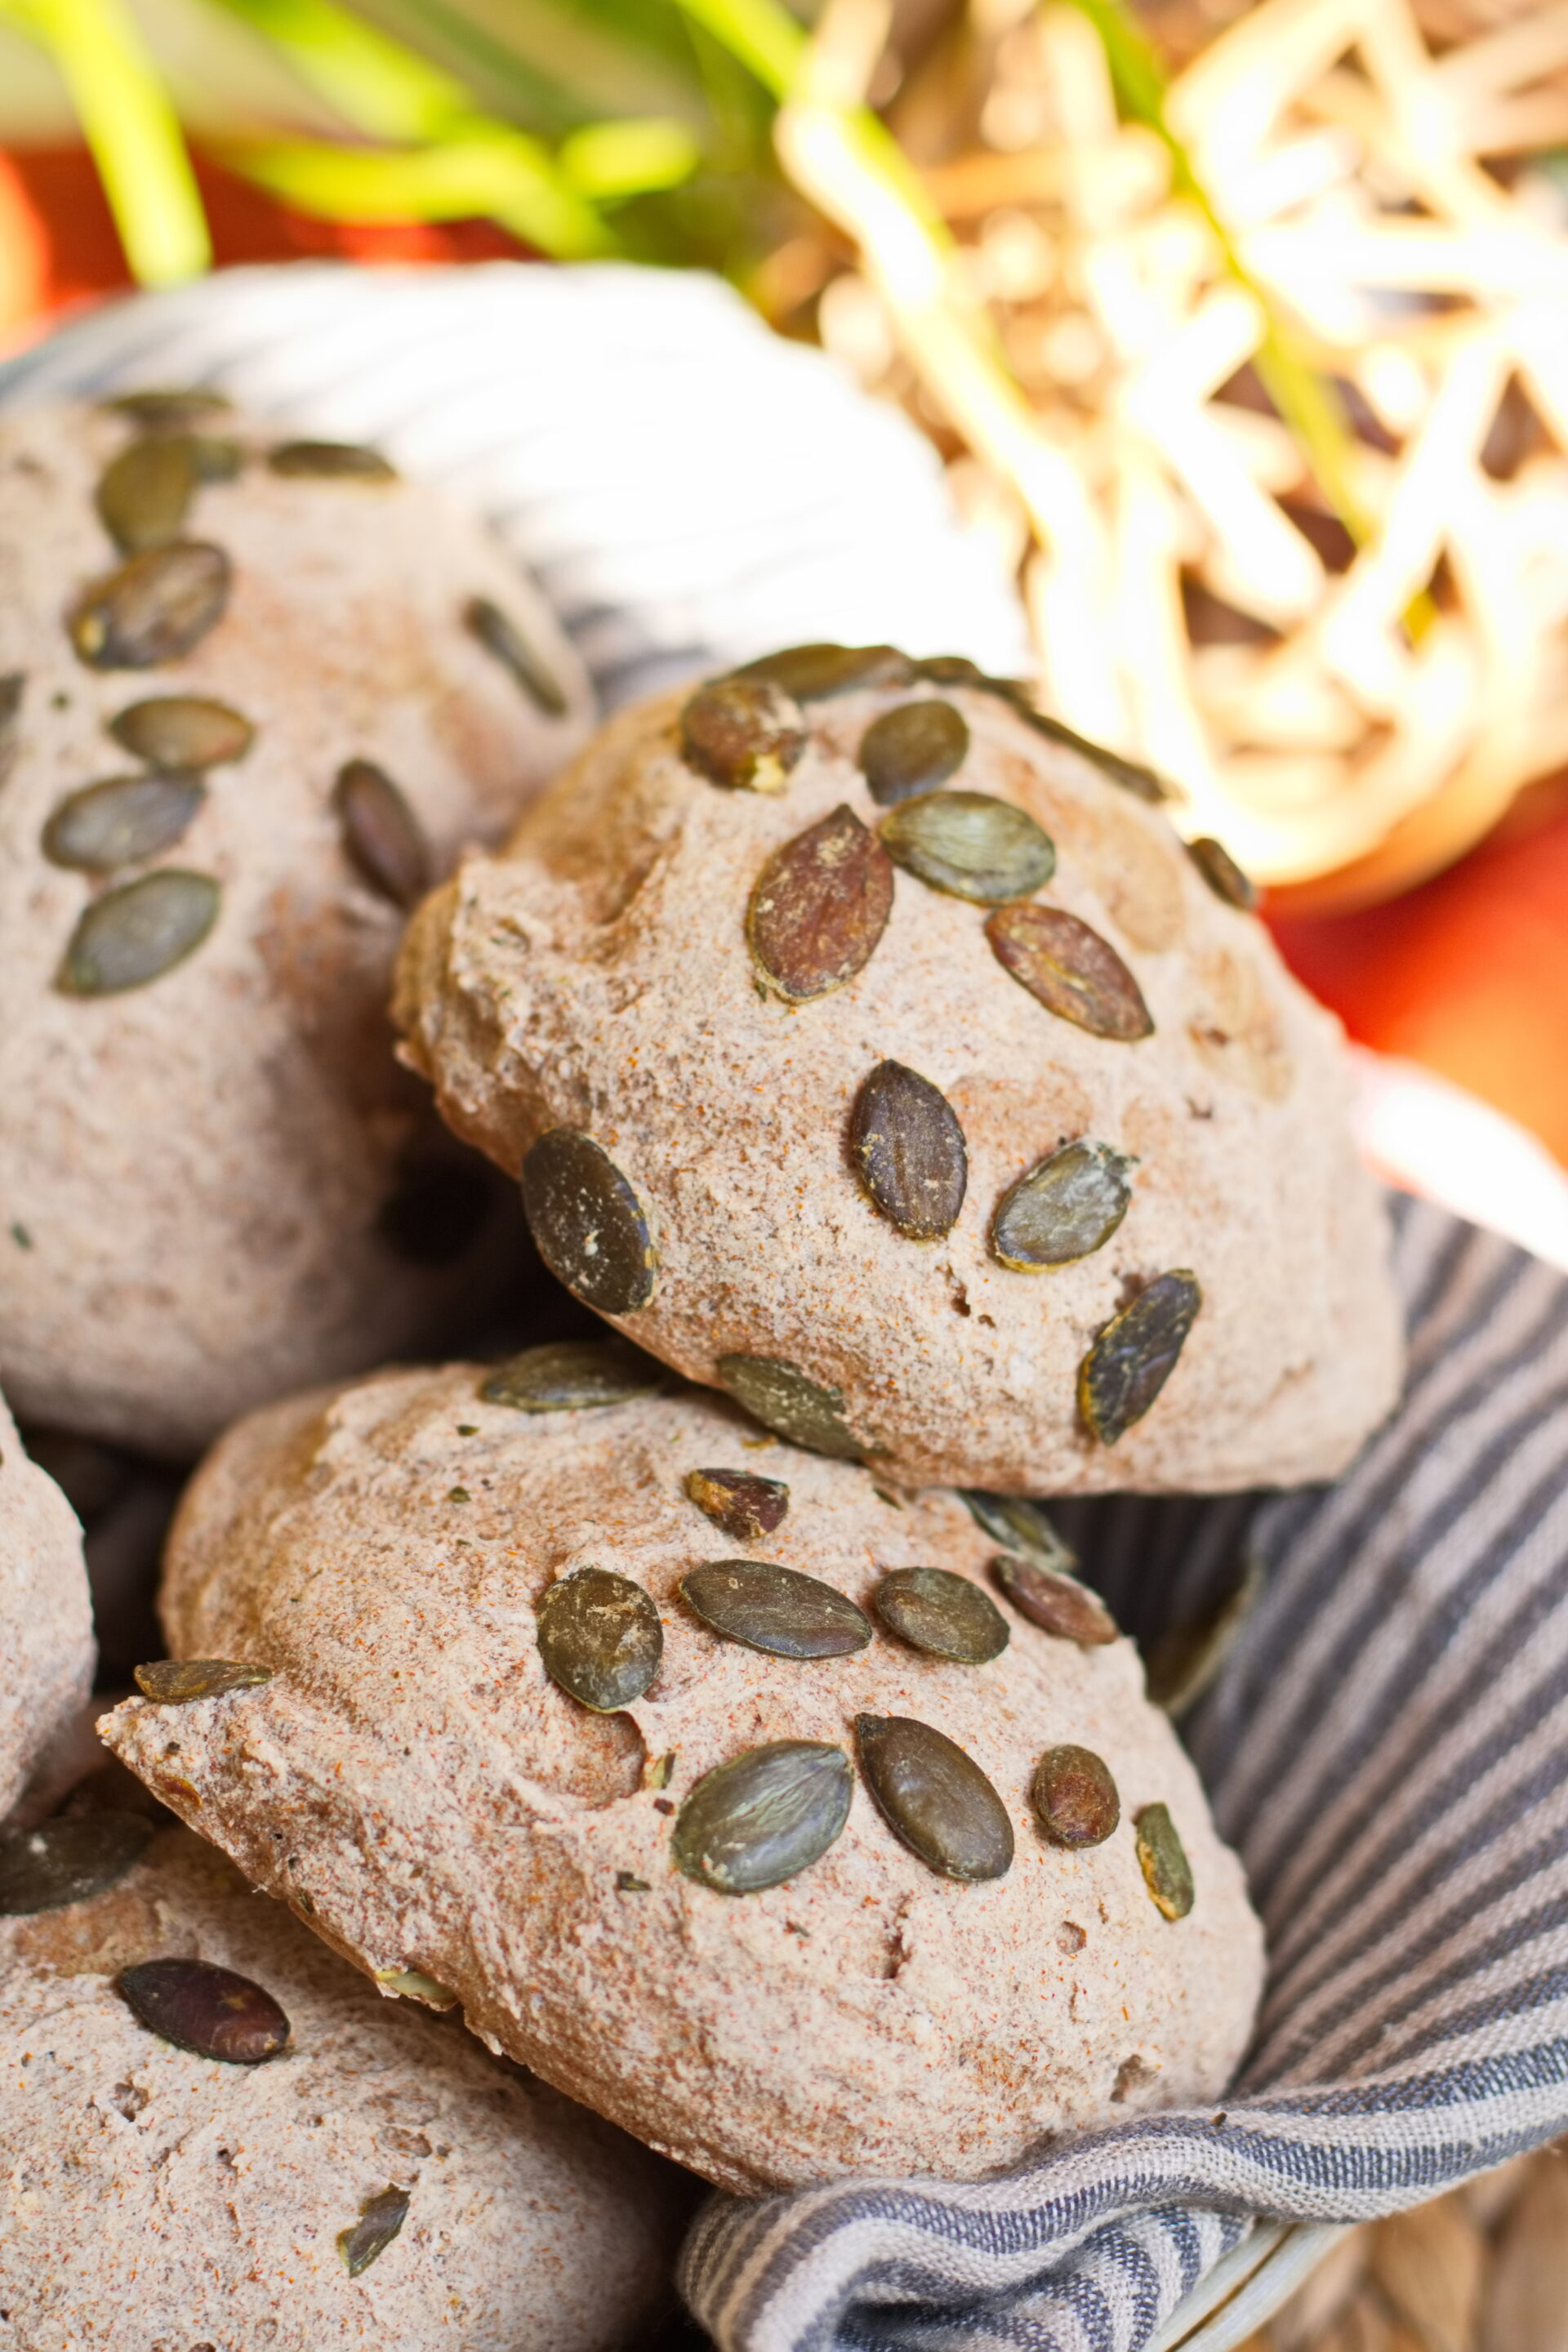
(154, 609)
(143, 495)
(380, 2219)
(910, 1150)
(946, 1615)
(740, 1502)
(382, 835)
(1069, 970)
(136, 933)
(1065, 1208)
(775, 1609)
(744, 732)
(570, 1376)
(330, 461)
(1057, 1602)
(1075, 1796)
(438, 1210)
(200, 2007)
(215, 457)
(503, 638)
(935, 1797)
(175, 1682)
(1130, 775)
(764, 1816)
(957, 669)
(970, 844)
(814, 673)
(169, 412)
(1222, 874)
(911, 750)
(182, 731)
(122, 820)
(1135, 1355)
(68, 1860)
(11, 691)
(783, 1398)
(1022, 1526)
(1162, 1858)
(820, 907)
(587, 1223)
(600, 1638)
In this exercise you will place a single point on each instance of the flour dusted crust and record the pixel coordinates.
(192, 1171)
(597, 975)
(46, 1652)
(151, 2201)
(411, 1781)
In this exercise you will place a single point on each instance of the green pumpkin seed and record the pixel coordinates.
(764, 1816)
(570, 1376)
(912, 750)
(1128, 775)
(587, 1223)
(330, 461)
(138, 932)
(1021, 1526)
(182, 731)
(215, 457)
(68, 1860)
(935, 1797)
(1135, 1355)
(200, 2007)
(381, 2218)
(744, 732)
(12, 686)
(1162, 1858)
(1070, 970)
(169, 412)
(943, 1614)
(121, 821)
(439, 1208)
(1057, 1602)
(740, 1502)
(819, 909)
(503, 638)
(957, 669)
(154, 609)
(1185, 1660)
(814, 673)
(1075, 1796)
(175, 1682)
(783, 1398)
(1064, 1209)
(970, 844)
(144, 494)
(382, 835)
(910, 1150)
(600, 1638)
(1222, 874)
(775, 1609)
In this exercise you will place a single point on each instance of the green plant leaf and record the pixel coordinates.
(492, 173)
(378, 85)
(607, 160)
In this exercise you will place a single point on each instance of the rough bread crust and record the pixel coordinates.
(191, 1172)
(597, 975)
(412, 1782)
(46, 1649)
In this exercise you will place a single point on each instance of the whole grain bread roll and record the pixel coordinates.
(47, 1650)
(783, 1912)
(253, 699)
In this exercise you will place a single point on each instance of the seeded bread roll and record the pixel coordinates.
(374, 2180)
(871, 1050)
(46, 1652)
(236, 754)
(712, 1847)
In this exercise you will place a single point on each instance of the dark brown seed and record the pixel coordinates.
(935, 1797)
(820, 907)
(600, 1638)
(1222, 874)
(911, 750)
(1135, 1355)
(1075, 1796)
(122, 820)
(775, 1609)
(766, 1815)
(169, 412)
(175, 1682)
(1023, 1526)
(144, 494)
(1182, 1663)
(381, 2218)
(503, 639)
(1057, 1602)
(11, 689)
(957, 669)
(439, 1208)
(330, 461)
(1162, 1858)
(910, 1150)
(1064, 1209)
(785, 1400)
(200, 2007)
(740, 1502)
(182, 731)
(68, 1860)
(215, 457)
(970, 844)
(946, 1615)
(814, 673)
(744, 732)
(587, 1223)
(1130, 775)
(136, 933)
(383, 836)
(1069, 970)
(570, 1376)
(154, 609)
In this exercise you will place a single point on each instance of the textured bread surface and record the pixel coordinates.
(47, 1650)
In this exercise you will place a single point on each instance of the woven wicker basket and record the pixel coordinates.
(1247, 2287)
